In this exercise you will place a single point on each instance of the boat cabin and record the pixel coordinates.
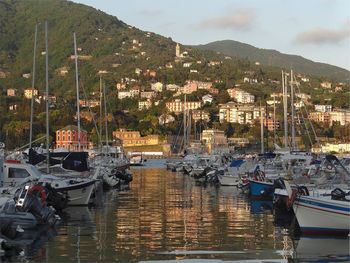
(15, 173)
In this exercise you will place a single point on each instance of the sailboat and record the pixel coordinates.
(112, 161)
(78, 190)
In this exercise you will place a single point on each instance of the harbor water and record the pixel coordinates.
(164, 216)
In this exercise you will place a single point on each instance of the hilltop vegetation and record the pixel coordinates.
(271, 57)
(123, 56)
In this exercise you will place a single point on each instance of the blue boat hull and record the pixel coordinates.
(261, 190)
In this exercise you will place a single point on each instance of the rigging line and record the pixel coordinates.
(307, 114)
(306, 129)
(24, 146)
(33, 84)
(90, 111)
(304, 122)
(177, 137)
(301, 102)
(109, 106)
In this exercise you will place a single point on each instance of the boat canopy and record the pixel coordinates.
(236, 163)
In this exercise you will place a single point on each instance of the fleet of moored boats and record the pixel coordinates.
(33, 194)
(315, 188)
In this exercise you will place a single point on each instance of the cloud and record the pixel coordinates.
(320, 36)
(150, 12)
(241, 19)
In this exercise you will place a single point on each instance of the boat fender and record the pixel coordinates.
(38, 190)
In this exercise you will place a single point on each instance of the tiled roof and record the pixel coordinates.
(71, 128)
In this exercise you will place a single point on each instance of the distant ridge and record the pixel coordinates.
(275, 58)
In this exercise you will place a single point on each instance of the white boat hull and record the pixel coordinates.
(197, 171)
(228, 180)
(319, 215)
(78, 194)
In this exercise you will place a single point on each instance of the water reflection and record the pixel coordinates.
(165, 216)
(322, 249)
(259, 206)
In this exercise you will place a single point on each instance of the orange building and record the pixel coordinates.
(270, 124)
(133, 138)
(67, 138)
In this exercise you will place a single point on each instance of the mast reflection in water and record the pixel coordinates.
(165, 216)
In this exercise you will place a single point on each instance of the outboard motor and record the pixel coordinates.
(27, 201)
(57, 200)
(213, 177)
(125, 177)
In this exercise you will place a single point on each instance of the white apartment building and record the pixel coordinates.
(172, 87)
(242, 114)
(241, 96)
(144, 105)
(147, 94)
(323, 108)
(178, 106)
(340, 115)
(125, 94)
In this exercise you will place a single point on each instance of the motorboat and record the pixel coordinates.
(323, 211)
(77, 190)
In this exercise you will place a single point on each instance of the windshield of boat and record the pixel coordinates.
(34, 171)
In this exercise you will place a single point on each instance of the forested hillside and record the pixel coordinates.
(124, 57)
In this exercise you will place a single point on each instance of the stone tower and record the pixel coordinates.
(177, 50)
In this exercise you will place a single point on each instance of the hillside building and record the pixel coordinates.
(144, 105)
(28, 93)
(214, 139)
(67, 138)
(323, 108)
(241, 96)
(198, 115)
(133, 138)
(177, 106)
(236, 113)
(11, 92)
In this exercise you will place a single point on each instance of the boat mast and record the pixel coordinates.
(262, 130)
(189, 120)
(274, 119)
(185, 124)
(33, 84)
(292, 109)
(100, 137)
(106, 119)
(285, 101)
(266, 126)
(77, 87)
(47, 98)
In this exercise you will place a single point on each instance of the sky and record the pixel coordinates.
(315, 29)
